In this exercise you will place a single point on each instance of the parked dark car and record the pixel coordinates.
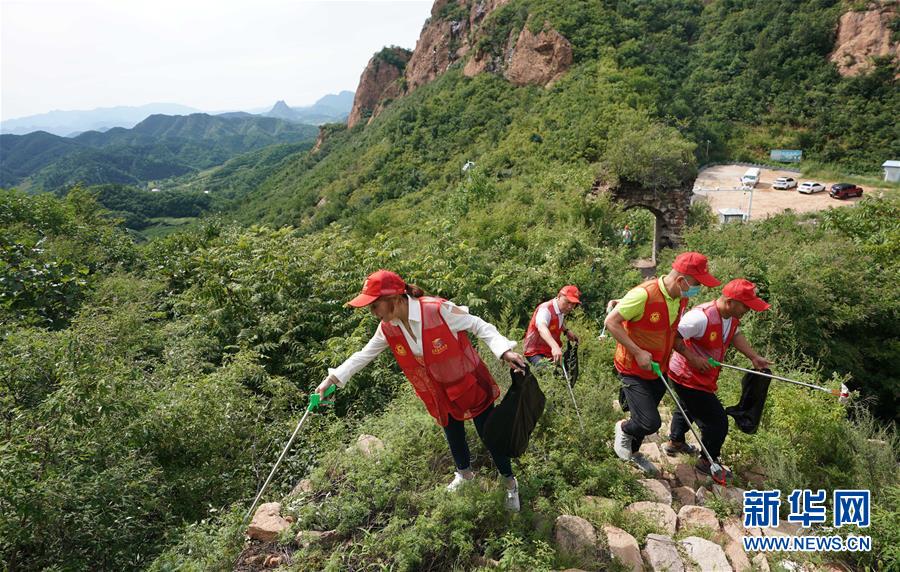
(845, 191)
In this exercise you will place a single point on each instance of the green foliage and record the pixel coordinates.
(159, 147)
(650, 155)
(828, 286)
(137, 206)
(143, 401)
(50, 252)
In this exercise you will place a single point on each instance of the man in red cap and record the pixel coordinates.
(645, 325)
(543, 337)
(428, 337)
(708, 330)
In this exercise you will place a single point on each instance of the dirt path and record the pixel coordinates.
(766, 201)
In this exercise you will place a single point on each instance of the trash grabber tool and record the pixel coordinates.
(714, 467)
(571, 393)
(843, 392)
(314, 402)
(603, 335)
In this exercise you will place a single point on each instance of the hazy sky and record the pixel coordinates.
(212, 55)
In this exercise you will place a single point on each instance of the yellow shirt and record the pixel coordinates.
(631, 306)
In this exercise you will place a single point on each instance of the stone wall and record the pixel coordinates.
(669, 206)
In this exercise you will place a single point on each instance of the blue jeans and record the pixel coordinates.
(459, 448)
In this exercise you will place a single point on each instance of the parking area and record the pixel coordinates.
(766, 200)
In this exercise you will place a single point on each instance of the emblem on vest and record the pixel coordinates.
(438, 347)
(713, 336)
(400, 350)
(654, 317)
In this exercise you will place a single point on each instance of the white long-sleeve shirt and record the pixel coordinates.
(457, 318)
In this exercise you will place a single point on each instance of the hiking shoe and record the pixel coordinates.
(458, 481)
(644, 464)
(512, 496)
(721, 474)
(673, 448)
(622, 442)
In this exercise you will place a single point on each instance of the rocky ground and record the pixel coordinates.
(685, 506)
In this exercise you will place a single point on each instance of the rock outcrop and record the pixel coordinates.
(660, 514)
(450, 35)
(368, 445)
(863, 36)
(267, 522)
(708, 555)
(377, 82)
(623, 548)
(574, 536)
(661, 554)
(539, 59)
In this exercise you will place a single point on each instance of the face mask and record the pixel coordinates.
(691, 291)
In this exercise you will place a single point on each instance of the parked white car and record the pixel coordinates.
(810, 187)
(784, 183)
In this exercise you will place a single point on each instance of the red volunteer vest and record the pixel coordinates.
(449, 378)
(652, 333)
(712, 344)
(534, 343)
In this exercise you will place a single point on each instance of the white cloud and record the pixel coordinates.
(81, 54)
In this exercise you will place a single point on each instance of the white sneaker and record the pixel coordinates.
(622, 442)
(458, 481)
(512, 496)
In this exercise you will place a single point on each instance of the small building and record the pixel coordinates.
(891, 171)
(731, 215)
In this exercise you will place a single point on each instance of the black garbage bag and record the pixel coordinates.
(570, 359)
(748, 412)
(511, 423)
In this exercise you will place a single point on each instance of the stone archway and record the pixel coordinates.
(670, 207)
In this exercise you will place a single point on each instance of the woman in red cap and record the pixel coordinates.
(427, 336)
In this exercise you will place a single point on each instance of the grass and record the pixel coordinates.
(164, 226)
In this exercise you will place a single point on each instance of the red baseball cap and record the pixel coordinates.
(694, 264)
(571, 293)
(744, 291)
(379, 283)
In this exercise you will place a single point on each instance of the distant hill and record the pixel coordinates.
(330, 108)
(65, 123)
(159, 147)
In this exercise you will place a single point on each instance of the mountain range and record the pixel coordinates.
(331, 107)
(158, 147)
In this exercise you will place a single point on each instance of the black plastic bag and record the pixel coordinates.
(570, 359)
(748, 412)
(511, 423)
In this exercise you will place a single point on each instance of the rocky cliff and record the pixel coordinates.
(452, 34)
(863, 36)
(380, 76)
